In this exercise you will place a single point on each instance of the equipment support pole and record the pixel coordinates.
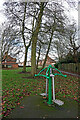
(50, 90)
(46, 86)
(53, 88)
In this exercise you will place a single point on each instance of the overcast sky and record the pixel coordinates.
(2, 17)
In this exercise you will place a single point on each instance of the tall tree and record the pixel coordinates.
(51, 37)
(24, 40)
(72, 40)
(35, 38)
(38, 55)
(20, 15)
(55, 23)
(8, 41)
(41, 44)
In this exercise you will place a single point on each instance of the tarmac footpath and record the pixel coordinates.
(34, 107)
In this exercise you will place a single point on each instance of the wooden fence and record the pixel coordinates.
(70, 67)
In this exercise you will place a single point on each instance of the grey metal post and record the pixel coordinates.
(53, 88)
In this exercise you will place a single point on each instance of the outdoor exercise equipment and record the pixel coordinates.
(50, 79)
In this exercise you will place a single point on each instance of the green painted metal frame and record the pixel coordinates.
(48, 71)
(50, 80)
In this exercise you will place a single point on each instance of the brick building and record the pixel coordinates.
(9, 62)
(49, 61)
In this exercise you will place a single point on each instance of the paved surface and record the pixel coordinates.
(33, 107)
(71, 73)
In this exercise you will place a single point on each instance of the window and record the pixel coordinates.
(9, 66)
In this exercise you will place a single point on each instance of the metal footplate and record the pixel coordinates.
(59, 102)
(43, 94)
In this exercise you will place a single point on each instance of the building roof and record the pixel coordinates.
(48, 59)
(8, 58)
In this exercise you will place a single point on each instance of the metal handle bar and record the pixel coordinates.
(61, 75)
(48, 70)
(42, 75)
(59, 72)
(43, 69)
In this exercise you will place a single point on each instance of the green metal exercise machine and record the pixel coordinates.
(50, 79)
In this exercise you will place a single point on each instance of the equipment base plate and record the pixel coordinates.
(59, 102)
(43, 94)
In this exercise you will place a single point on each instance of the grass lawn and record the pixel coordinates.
(16, 85)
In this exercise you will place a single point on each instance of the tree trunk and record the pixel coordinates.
(75, 56)
(47, 50)
(34, 41)
(24, 40)
(38, 57)
(26, 49)
(33, 59)
(25, 59)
